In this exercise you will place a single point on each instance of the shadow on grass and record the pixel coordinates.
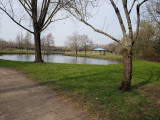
(147, 81)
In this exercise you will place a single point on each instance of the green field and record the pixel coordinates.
(94, 87)
(93, 54)
(24, 51)
(16, 51)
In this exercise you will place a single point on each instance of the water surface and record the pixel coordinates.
(58, 58)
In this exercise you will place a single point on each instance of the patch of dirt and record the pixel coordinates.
(23, 99)
(154, 92)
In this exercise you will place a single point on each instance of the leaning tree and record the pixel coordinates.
(40, 13)
(79, 9)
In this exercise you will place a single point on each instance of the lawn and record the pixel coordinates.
(16, 51)
(93, 54)
(94, 87)
(24, 51)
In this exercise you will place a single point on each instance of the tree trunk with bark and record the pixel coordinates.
(127, 73)
(85, 50)
(38, 57)
(37, 34)
(76, 50)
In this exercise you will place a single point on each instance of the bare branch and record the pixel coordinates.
(11, 7)
(138, 18)
(132, 6)
(48, 21)
(128, 19)
(28, 4)
(119, 18)
(44, 10)
(81, 16)
(15, 20)
(99, 31)
(142, 2)
(27, 9)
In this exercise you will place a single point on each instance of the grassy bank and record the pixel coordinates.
(95, 87)
(93, 54)
(23, 51)
(16, 51)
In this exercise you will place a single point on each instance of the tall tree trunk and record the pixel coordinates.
(38, 56)
(76, 51)
(127, 73)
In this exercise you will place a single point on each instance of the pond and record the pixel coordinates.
(58, 58)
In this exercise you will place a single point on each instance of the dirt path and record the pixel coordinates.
(22, 99)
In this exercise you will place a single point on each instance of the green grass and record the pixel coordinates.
(95, 86)
(23, 51)
(16, 51)
(93, 54)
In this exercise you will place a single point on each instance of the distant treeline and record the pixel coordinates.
(26, 43)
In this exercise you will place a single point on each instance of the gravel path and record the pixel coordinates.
(23, 99)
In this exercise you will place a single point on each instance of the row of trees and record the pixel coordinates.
(47, 43)
(75, 42)
(4, 44)
(21, 42)
(79, 42)
(24, 42)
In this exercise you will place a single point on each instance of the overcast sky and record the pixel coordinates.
(62, 29)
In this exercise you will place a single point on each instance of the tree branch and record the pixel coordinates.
(119, 18)
(128, 19)
(52, 14)
(132, 6)
(15, 20)
(138, 18)
(99, 31)
(27, 9)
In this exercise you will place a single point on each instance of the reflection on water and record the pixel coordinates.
(58, 58)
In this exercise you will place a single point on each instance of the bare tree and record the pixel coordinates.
(48, 43)
(27, 41)
(19, 41)
(86, 43)
(152, 12)
(43, 44)
(3, 44)
(41, 13)
(74, 42)
(111, 47)
(11, 44)
(79, 9)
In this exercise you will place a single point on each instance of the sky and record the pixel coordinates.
(105, 20)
